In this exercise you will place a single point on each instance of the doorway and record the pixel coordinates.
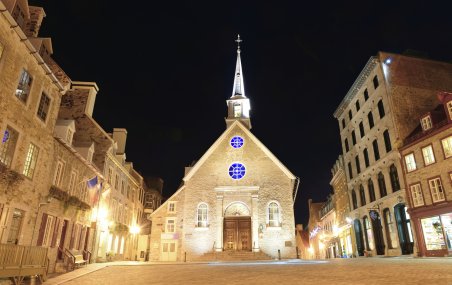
(378, 232)
(237, 233)
(169, 252)
(404, 229)
(62, 239)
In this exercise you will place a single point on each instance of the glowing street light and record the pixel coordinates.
(135, 229)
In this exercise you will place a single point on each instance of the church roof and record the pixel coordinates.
(225, 134)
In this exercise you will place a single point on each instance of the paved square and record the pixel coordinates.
(340, 271)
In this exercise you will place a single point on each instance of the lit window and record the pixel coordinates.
(237, 110)
(8, 146)
(429, 157)
(24, 86)
(416, 194)
(171, 207)
(448, 104)
(237, 142)
(410, 162)
(426, 123)
(44, 105)
(58, 178)
(447, 146)
(436, 188)
(170, 226)
(30, 160)
(273, 215)
(237, 171)
(202, 216)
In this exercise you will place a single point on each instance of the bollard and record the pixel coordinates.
(185, 257)
(298, 254)
(279, 254)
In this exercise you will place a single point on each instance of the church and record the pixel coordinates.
(238, 197)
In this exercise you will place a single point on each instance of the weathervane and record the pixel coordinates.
(238, 41)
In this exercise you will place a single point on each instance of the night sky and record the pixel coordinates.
(165, 70)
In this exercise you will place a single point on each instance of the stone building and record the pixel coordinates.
(302, 240)
(31, 85)
(238, 197)
(426, 156)
(374, 118)
(314, 227)
(342, 228)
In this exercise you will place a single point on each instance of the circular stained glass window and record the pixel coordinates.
(237, 170)
(237, 142)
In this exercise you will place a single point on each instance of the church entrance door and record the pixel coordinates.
(237, 233)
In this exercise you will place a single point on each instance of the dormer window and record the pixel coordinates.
(426, 123)
(449, 109)
(19, 15)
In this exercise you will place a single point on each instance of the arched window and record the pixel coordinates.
(273, 215)
(202, 216)
(382, 185)
(370, 184)
(354, 201)
(362, 195)
(394, 178)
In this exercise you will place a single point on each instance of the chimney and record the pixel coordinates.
(37, 14)
(91, 90)
(120, 137)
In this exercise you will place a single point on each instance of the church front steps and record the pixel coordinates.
(232, 256)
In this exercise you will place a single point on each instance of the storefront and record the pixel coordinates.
(434, 231)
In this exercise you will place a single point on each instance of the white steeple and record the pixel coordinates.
(238, 104)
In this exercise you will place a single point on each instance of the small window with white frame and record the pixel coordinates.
(426, 122)
(170, 226)
(48, 230)
(447, 146)
(202, 216)
(427, 153)
(172, 207)
(31, 160)
(273, 215)
(416, 194)
(24, 86)
(436, 188)
(58, 177)
(410, 162)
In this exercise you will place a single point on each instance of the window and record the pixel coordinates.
(346, 145)
(237, 110)
(448, 104)
(370, 118)
(366, 157)
(202, 216)
(237, 142)
(381, 109)
(427, 153)
(350, 115)
(117, 182)
(72, 182)
(361, 129)
(14, 228)
(343, 123)
(350, 173)
(357, 105)
(69, 136)
(362, 195)
(58, 178)
(447, 146)
(237, 171)
(436, 188)
(44, 105)
(8, 146)
(123, 187)
(394, 178)
(410, 162)
(426, 123)
(45, 230)
(370, 185)
(273, 215)
(170, 226)
(375, 81)
(358, 168)
(30, 160)
(171, 207)
(353, 137)
(376, 151)
(387, 140)
(354, 201)
(416, 194)
(24, 86)
(366, 94)
(110, 175)
(382, 185)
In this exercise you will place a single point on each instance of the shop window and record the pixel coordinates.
(432, 229)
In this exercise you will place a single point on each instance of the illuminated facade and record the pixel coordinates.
(374, 117)
(426, 156)
(237, 197)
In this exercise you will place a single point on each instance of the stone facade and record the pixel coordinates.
(426, 156)
(374, 118)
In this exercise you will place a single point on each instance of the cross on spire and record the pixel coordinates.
(238, 41)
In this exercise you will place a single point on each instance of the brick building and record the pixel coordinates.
(237, 197)
(374, 118)
(426, 156)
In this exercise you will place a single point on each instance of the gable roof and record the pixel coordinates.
(215, 145)
(168, 200)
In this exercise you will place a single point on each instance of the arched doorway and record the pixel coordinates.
(404, 229)
(378, 232)
(359, 237)
(237, 228)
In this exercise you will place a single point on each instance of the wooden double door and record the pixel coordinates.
(237, 233)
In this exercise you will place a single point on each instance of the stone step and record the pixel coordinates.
(232, 256)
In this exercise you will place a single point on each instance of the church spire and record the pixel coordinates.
(238, 104)
(239, 87)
